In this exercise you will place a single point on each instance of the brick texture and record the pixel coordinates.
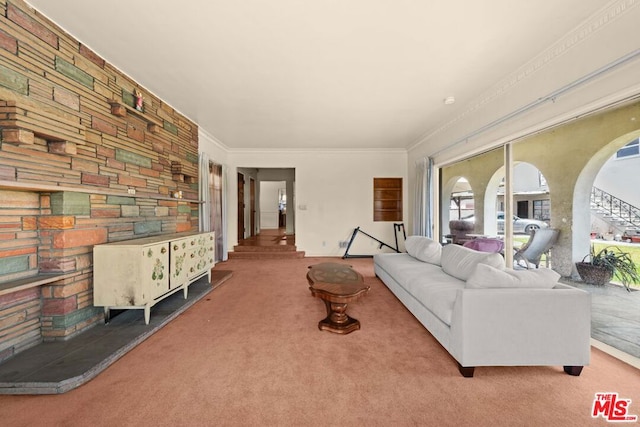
(56, 117)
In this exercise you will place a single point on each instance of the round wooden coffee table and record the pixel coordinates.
(337, 285)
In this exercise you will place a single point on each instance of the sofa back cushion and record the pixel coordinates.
(424, 249)
(486, 276)
(460, 262)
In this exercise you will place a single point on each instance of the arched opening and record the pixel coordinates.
(615, 200)
(457, 201)
(624, 184)
(531, 200)
(462, 203)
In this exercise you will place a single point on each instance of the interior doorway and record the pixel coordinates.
(241, 205)
(252, 206)
(282, 207)
(272, 205)
(255, 213)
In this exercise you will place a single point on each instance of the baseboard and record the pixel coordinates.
(618, 354)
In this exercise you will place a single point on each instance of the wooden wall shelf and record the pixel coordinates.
(23, 186)
(387, 199)
(31, 282)
(22, 120)
(179, 176)
(120, 109)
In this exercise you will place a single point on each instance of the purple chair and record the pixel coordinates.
(484, 244)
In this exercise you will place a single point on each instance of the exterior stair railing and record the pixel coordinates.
(615, 210)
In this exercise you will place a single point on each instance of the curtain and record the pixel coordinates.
(424, 202)
(431, 203)
(419, 206)
(225, 193)
(204, 210)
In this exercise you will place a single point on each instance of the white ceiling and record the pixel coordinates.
(289, 74)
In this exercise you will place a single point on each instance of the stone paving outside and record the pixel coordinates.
(615, 316)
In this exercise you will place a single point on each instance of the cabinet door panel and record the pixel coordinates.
(179, 258)
(155, 266)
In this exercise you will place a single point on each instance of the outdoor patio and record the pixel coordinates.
(615, 319)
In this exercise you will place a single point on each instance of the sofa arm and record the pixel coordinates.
(518, 327)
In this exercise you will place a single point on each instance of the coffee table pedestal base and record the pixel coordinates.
(336, 285)
(337, 320)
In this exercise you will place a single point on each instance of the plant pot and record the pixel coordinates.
(594, 274)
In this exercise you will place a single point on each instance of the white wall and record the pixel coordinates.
(620, 178)
(215, 149)
(334, 195)
(525, 177)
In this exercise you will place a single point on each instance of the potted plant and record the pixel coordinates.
(604, 264)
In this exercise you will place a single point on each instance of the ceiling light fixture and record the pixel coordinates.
(449, 100)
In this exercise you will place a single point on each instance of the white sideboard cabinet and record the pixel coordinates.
(137, 274)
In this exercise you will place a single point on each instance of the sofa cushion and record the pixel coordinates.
(427, 283)
(424, 249)
(404, 268)
(438, 294)
(485, 276)
(460, 262)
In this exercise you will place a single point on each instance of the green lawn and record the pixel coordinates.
(633, 250)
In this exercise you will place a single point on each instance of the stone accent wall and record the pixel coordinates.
(79, 166)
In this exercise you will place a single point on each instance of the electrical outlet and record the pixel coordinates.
(343, 243)
(131, 191)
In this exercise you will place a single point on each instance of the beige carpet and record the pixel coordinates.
(250, 353)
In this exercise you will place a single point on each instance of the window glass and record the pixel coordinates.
(542, 210)
(631, 149)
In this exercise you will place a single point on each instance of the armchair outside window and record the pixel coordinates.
(459, 230)
(539, 244)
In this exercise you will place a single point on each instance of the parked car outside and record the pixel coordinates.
(520, 225)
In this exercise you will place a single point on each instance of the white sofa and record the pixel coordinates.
(486, 315)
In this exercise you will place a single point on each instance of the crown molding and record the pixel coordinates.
(314, 150)
(606, 16)
(282, 150)
(208, 136)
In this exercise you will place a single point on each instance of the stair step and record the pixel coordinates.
(618, 213)
(266, 255)
(274, 248)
